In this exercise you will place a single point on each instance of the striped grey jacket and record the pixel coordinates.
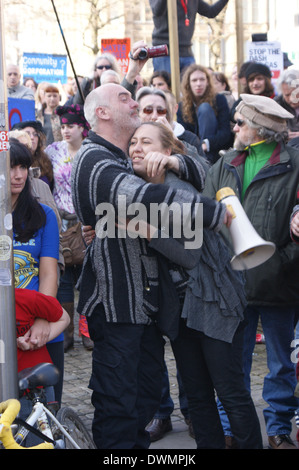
(122, 272)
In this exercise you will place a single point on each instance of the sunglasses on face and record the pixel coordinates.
(150, 110)
(101, 67)
(240, 122)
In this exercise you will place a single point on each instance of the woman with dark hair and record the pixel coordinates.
(221, 85)
(258, 82)
(204, 112)
(74, 128)
(40, 159)
(161, 79)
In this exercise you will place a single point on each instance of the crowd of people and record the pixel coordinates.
(127, 141)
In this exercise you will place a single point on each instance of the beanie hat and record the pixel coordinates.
(73, 114)
(264, 111)
(37, 125)
(257, 69)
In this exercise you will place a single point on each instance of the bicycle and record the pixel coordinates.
(58, 429)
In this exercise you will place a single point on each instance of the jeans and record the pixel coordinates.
(207, 125)
(167, 406)
(207, 365)
(163, 63)
(280, 382)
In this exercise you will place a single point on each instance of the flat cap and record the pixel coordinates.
(264, 111)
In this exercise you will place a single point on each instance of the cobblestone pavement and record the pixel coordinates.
(77, 395)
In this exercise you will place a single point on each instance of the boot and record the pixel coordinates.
(69, 331)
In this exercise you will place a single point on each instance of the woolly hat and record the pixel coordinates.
(37, 125)
(257, 69)
(264, 111)
(73, 114)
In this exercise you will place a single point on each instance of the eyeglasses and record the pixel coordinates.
(240, 122)
(150, 110)
(101, 67)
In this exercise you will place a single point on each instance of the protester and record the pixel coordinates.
(47, 116)
(36, 245)
(103, 62)
(15, 89)
(74, 129)
(186, 15)
(221, 85)
(40, 159)
(204, 112)
(110, 76)
(161, 79)
(288, 98)
(121, 322)
(207, 348)
(30, 83)
(263, 173)
(258, 82)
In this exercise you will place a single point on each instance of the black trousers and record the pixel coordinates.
(126, 380)
(207, 366)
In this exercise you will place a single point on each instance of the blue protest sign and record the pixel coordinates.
(49, 68)
(20, 110)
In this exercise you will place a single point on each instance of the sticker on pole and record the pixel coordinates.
(5, 248)
(3, 141)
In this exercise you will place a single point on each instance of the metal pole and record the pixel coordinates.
(174, 47)
(68, 52)
(239, 34)
(8, 348)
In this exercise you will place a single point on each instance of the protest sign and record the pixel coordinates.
(268, 53)
(45, 67)
(120, 49)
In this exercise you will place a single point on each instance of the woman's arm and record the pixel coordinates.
(48, 280)
(55, 328)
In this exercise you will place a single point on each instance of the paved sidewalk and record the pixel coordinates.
(77, 395)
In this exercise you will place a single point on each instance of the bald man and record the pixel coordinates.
(15, 89)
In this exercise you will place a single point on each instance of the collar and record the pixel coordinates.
(274, 158)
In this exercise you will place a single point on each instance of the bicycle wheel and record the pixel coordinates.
(75, 427)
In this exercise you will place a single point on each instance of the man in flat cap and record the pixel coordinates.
(264, 174)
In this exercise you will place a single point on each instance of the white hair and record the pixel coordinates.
(108, 74)
(290, 77)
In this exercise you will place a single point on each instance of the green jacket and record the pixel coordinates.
(268, 203)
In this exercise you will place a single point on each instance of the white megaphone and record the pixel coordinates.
(250, 249)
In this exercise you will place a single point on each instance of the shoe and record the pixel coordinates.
(87, 343)
(157, 428)
(231, 443)
(282, 441)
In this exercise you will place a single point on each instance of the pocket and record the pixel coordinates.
(150, 282)
(107, 373)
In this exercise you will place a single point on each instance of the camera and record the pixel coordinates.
(155, 51)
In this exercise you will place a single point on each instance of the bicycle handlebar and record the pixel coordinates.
(10, 410)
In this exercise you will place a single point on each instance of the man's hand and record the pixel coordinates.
(88, 234)
(135, 64)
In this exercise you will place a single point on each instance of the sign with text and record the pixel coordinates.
(45, 67)
(20, 110)
(268, 53)
(120, 48)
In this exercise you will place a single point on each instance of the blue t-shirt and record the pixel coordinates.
(27, 255)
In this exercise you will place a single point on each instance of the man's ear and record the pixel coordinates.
(102, 112)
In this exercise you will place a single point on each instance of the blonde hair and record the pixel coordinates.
(21, 136)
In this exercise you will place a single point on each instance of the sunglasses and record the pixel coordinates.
(240, 122)
(150, 110)
(101, 67)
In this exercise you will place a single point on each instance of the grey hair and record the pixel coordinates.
(111, 59)
(147, 90)
(267, 134)
(105, 75)
(290, 77)
(92, 102)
